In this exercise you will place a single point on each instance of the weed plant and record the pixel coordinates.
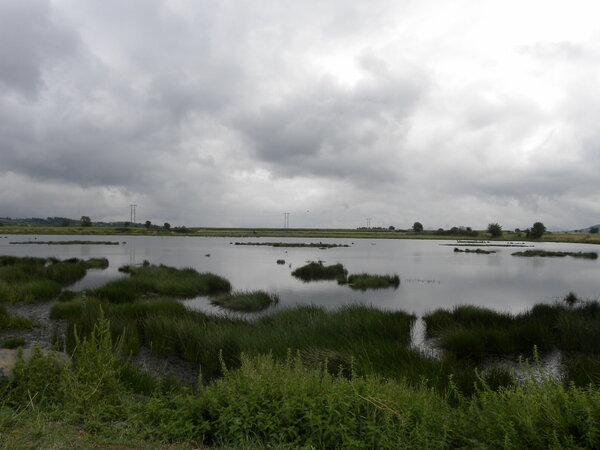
(246, 301)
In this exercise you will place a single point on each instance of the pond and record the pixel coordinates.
(432, 275)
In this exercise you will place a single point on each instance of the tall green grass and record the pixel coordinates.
(474, 332)
(376, 341)
(281, 403)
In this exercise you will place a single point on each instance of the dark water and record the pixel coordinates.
(431, 274)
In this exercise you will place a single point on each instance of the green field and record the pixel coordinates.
(363, 233)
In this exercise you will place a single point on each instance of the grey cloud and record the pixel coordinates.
(31, 39)
(325, 129)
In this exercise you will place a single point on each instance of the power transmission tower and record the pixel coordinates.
(286, 220)
(368, 222)
(132, 213)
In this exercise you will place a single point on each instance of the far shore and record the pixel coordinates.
(324, 233)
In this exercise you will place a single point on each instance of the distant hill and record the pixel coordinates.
(57, 222)
(587, 230)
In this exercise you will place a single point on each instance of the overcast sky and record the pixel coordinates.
(229, 113)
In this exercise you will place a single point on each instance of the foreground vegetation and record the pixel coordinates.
(101, 401)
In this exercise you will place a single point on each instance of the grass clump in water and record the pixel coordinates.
(161, 280)
(545, 253)
(364, 281)
(34, 279)
(314, 271)
(246, 301)
(478, 251)
(473, 332)
(78, 242)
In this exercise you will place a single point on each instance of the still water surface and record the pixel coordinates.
(431, 274)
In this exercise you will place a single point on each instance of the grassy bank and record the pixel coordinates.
(269, 403)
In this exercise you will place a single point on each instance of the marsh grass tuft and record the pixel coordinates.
(478, 251)
(314, 271)
(35, 279)
(364, 281)
(77, 242)
(474, 332)
(161, 280)
(246, 301)
(545, 253)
